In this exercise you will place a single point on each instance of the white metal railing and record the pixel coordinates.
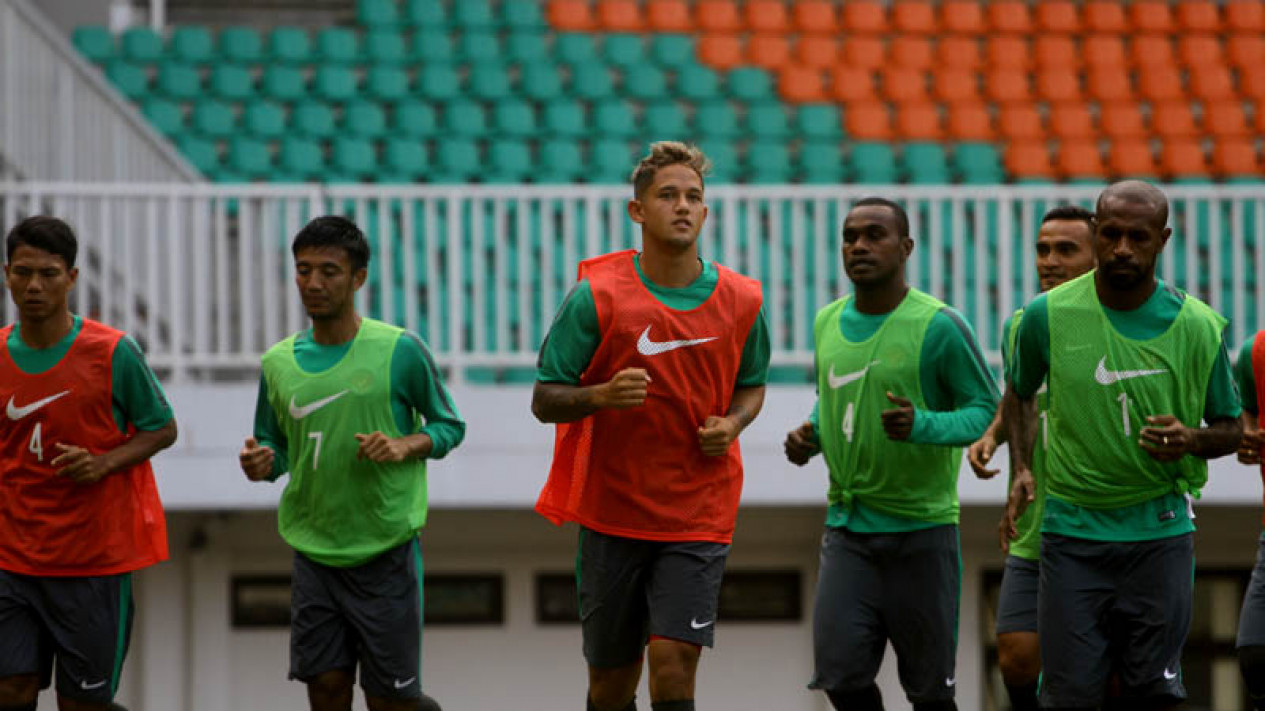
(201, 273)
(60, 119)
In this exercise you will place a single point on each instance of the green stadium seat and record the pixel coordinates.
(353, 157)
(540, 81)
(427, 14)
(242, 45)
(141, 44)
(514, 118)
(229, 81)
(415, 119)
(480, 46)
(292, 45)
(717, 119)
(283, 83)
(337, 45)
(978, 163)
(386, 83)
(463, 117)
(526, 46)
(666, 121)
(592, 82)
(821, 162)
(433, 47)
(724, 157)
(95, 43)
(523, 16)
(214, 118)
(473, 15)
(574, 49)
(178, 81)
(672, 51)
(645, 82)
(566, 119)
(439, 82)
(203, 154)
(458, 159)
(386, 47)
(624, 51)
(509, 162)
(610, 161)
(873, 163)
(313, 119)
(132, 81)
(489, 81)
(301, 158)
(767, 121)
(364, 119)
(698, 83)
(750, 84)
(768, 162)
(614, 118)
(378, 14)
(819, 121)
(405, 158)
(266, 119)
(228, 177)
(194, 45)
(249, 157)
(926, 164)
(166, 116)
(334, 83)
(561, 161)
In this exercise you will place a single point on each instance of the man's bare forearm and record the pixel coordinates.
(1021, 419)
(1219, 438)
(746, 405)
(140, 447)
(997, 428)
(554, 403)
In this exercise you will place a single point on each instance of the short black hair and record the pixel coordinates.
(334, 231)
(902, 220)
(44, 233)
(1070, 213)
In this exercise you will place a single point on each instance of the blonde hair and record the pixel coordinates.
(663, 154)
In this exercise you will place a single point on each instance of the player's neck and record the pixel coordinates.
(880, 298)
(1126, 300)
(336, 331)
(670, 268)
(46, 333)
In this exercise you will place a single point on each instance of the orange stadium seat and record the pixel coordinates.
(964, 17)
(1007, 86)
(1021, 122)
(912, 52)
(669, 16)
(1072, 122)
(1246, 52)
(817, 51)
(1105, 16)
(1173, 119)
(571, 16)
(800, 84)
(1211, 83)
(1149, 51)
(919, 122)
(815, 17)
(1056, 52)
(849, 84)
(1103, 51)
(1198, 16)
(1131, 157)
(1058, 17)
(955, 85)
(866, 17)
(970, 122)
(1225, 119)
(1029, 159)
(1244, 16)
(1260, 121)
(1252, 86)
(1183, 158)
(1160, 84)
(766, 16)
(959, 52)
(720, 51)
(769, 51)
(1057, 85)
(904, 86)
(914, 18)
(1151, 17)
(1109, 84)
(1008, 52)
(1235, 158)
(865, 52)
(1199, 50)
(1080, 159)
(869, 122)
(1121, 120)
(1009, 17)
(620, 16)
(717, 16)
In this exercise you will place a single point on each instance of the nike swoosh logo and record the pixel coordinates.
(1107, 377)
(647, 347)
(700, 625)
(1170, 675)
(838, 381)
(89, 687)
(17, 413)
(950, 681)
(401, 684)
(299, 413)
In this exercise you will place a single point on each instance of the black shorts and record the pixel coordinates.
(83, 624)
(879, 587)
(1252, 616)
(1017, 601)
(632, 589)
(1113, 606)
(368, 615)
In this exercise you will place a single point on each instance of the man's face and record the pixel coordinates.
(671, 209)
(874, 251)
(326, 281)
(1128, 242)
(1065, 250)
(40, 283)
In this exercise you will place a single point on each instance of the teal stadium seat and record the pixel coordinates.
(353, 157)
(575, 49)
(179, 81)
(978, 163)
(201, 153)
(624, 50)
(925, 164)
(672, 51)
(194, 45)
(523, 16)
(821, 162)
(526, 46)
(610, 161)
(364, 119)
(131, 80)
(313, 119)
(750, 84)
(479, 46)
(473, 15)
(561, 161)
(873, 163)
(717, 119)
(489, 81)
(405, 159)
(565, 118)
(166, 116)
(378, 14)
(215, 119)
(514, 118)
(439, 82)
(302, 158)
(334, 83)
(232, 82)
(819, 121)
(768, 162)
(291, 45)
(95, 43)
(428, 14)
(386, 47)
(432, 46)
(698, 83)
(768, 121)
(142, 45)
(458, 159)
(414, 118)
(266, 119)
(249, 158)
(666, 121)
(614, 119)
(592, 82)
(465, 118)
(645, 82)
(540, 81)
(283, 83)
(242, 45)
(386, 83)
(724, 157)
(337, 45)
(509, 162)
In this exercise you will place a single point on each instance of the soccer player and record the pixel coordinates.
(79, 510)
(654, 365)
(901, 386)
(1249, 373)
(1132, 366)
(352, 408)
(1065, 250)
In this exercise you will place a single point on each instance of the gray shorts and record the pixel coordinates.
(632, 589)
(85, 624)
(369, 615)
(1017, 602)
(1252, 616)
(1108, 606)
(880, 587)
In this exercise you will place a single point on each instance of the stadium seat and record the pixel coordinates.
(1121, 120)
(301, 158)
(717, 16)
(849, 84)
(1009, 17)
(955, 85)
(766, 16)
(1151, 17)
(665, 120)
(458, 159)
(724, 158)
(438, 82)
(970, 122)
(959, 53)
(1029, 160)
(1151, 51)
(717, 119)
(378, 14)
(313, 119)
(1021, 122)
(978, 163)
(489, 81)
(1200, 51)
(540, 81)
(165, 116)
(1056, 52)
(668, 16)
(215, 119)
(864, 17)
(919, 122)
(334, 83)
(265, 119)
(672, 51)
(873, 163)
(750, 84)
(479, 46)
(1104, 16)
(133, 82)
(962, 17)
(610, 161)
(1103, 51)
(232, 82)
(142, 45)
(821, 162)
(364, 119)
(571, 16)
(1007, 86)
(1160, 84)
(864, 52)
(697, 83)
(290, 44)
(193, 45)
(814, 17)
(1246, 52)
(1225, 119)
(592, 82)
(816, 51)
(94, 43)
(386, 83)
(913, 53)
(1198, 16)
(1131, 159)
(1252, 86)
(772, 52)
(433, 47)
(914, 18)
(353, 157)
(1071, 122)
(614, 118)
(645, 82)
(201, 153)
(523, 16)
(1109, 84)
(1173, 119)
(283, 83)
(869, 122)
(1236, 158)
(1080, 160)
(178, 81)
(798, 85)
(903, 86)
(509, 162)
(465, 118)
(1184, 159)
(925, 163)
(721, 51)
(768, 121)
(561, 161)
(575, 49)
(249, 157)
(386, 47)
(470, 15)
(414, 118)
(1058, 85)
(1058, 17)
(815, 122)
(1244, 17)
(624, 51)
(566, 118)
(514, 118)
(620, 16)
(242, 45)
(768, 162)
(1009, 52)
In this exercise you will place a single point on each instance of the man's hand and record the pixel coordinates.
(1250, 446)
(256, 461)
(377, 447)
(1022, 493)
(627, 389)
(898, 422)
(1166, 439)
(79, 464)
(981, 453)
(716, 434)
(801, 444)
